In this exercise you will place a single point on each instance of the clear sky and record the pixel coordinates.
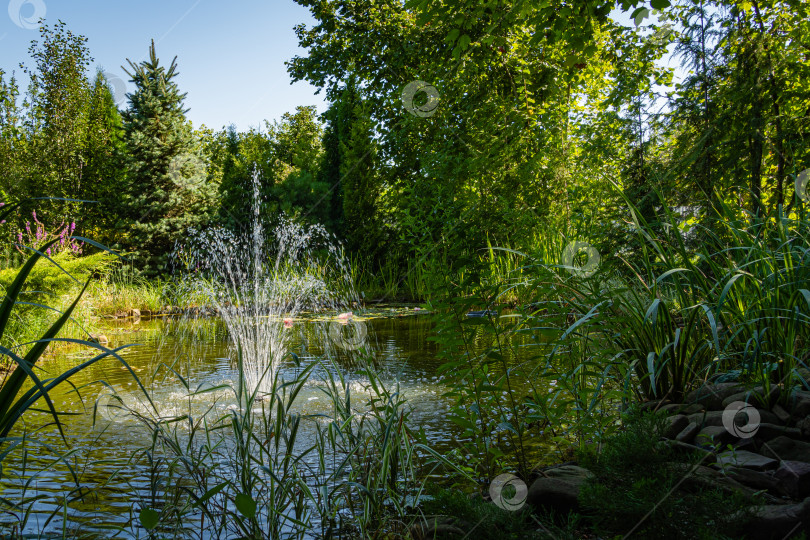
(230, 55)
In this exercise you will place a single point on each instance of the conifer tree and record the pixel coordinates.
(157, 199)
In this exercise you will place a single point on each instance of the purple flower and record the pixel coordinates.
(2, 204)
(72, 227)
(48, 251)
(34, 213)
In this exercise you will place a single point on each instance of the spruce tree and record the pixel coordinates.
(155, 199)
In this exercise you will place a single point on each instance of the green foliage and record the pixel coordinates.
(165, 191)
(636, 485)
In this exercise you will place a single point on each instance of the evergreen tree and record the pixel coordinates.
(157, 194)
(103, 172)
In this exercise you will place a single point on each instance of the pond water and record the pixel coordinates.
(102, 435)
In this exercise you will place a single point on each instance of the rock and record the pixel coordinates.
(714, 435)
(707, 456)
(746, 459)
(431, 527)
(567, 472)
(700, 478)
(715, 418)
(670, 408)
(755, 396)
(654, 404)
(758, 480)
(801, 408)
(781, 414)
(712, 395)
(786, 448)
(794, 478)
(692, 408)
(676, 424)
(804, 427)
(688, 433)
(779, 521)
(767, 432)
(101, 339)
(557, 494)
(135, 312)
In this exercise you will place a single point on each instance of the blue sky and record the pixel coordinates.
(230, 55)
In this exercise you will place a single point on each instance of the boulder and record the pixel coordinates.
(712, 395)
(779, 521)
(101, 339)
(785, 448)
(804, 427)
(688, 433)
(714, 435)
(781, 414)
(756, 396)
(757, 480)
(767, 432)
(135, 312)
(746, 459)
(568, 472)
(676, 424)
(715, 418)
(557, 494)
(794, 478)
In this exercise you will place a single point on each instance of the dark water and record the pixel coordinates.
(98, 457)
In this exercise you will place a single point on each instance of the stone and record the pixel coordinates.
(786, 448)
(688, 433)
(671, 408)
(692, 408)
(712, 395)
(758, 480)
(715, 435)
(755, 396)
(700, 478)
(568, 472)
(101, 339)
(804, 427)
(707, 456)
(779, 520)
(767, 432)
(715, 418)
(677, 424)
(557, 494)
(801, 407)
(794, 478)
(781, 414)
(135, 313)
(146, 313)
(746, 459)
(654, 404)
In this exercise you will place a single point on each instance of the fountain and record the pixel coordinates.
(259, 288)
